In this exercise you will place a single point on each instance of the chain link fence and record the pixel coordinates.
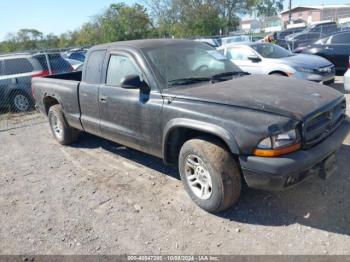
(17, 105)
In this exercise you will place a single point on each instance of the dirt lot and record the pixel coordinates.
(99, 198)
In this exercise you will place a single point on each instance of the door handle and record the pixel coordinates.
(103, 99)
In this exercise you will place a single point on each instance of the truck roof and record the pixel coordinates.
(140, 44)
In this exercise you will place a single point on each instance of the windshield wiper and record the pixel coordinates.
(226, 74)
(188, 80)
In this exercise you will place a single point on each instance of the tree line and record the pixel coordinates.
(152, 19)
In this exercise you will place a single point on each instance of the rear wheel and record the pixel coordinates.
(61, 130)
(210, 174)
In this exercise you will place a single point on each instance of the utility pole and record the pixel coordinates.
(290, 11)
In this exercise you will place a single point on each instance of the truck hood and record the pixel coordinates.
(273, 94)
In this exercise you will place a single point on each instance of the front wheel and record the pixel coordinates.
(210, 174)
(60, 128)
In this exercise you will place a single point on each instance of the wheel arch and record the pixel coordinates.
(178, 131)
(278, 72)
(49, 101)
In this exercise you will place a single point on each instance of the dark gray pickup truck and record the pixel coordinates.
(184, 102)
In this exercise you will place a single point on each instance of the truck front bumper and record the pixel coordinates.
(286, 171)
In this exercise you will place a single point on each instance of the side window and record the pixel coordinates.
(118, 68)
(1, 68)
(42, 61)
(341, 39)
(313, 36)
(59, 64)
(92, 74)
(330, 29)
(317, 29)
(239, 54)
(17, 66)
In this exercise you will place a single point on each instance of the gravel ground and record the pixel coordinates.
(99, 198)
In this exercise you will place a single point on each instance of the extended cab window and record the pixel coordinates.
(118, 68)
(93, 71)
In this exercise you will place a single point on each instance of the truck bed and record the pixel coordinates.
(65, 89)
(74, 76)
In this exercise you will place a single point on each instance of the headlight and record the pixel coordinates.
(279, 145)
(305, 70)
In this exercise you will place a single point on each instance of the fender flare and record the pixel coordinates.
(46, 95)
(209, 128)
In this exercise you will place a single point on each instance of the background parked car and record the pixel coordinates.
(236, 39)
(325, 28)
(280, 37)
(76, 55)
(310, 34)
(282, 34)
(210, 41)
(345, 26)
(347, 78)
(74, 63)
(301, 40)
(79, 68)
(53, 63)
(336, 48)
(16, 72)
(270, 59)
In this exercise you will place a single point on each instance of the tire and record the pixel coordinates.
(61, 130)
(206, 162)
(21, 102)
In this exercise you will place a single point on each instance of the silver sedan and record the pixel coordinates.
(270, 59)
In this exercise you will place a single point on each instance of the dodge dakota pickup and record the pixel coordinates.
(186, 103)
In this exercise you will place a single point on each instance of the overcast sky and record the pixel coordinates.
(63, 15)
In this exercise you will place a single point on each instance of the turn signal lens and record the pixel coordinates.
(277, 152)
(277, 145)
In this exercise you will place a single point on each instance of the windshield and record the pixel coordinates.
(185, 60)
(236, 39)
(271, 51)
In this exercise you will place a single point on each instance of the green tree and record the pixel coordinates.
(267, 8)
(51, 41)
(29, 38)
(121, 22)
(197, 17)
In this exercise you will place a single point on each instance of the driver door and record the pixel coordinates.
(129, 116)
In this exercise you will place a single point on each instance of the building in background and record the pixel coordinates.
(272, 24)
(250, 26)
(312, 14)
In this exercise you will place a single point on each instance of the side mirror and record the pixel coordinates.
(134, 82)
(254, 58)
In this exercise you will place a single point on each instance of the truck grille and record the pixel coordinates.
(319, 126)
